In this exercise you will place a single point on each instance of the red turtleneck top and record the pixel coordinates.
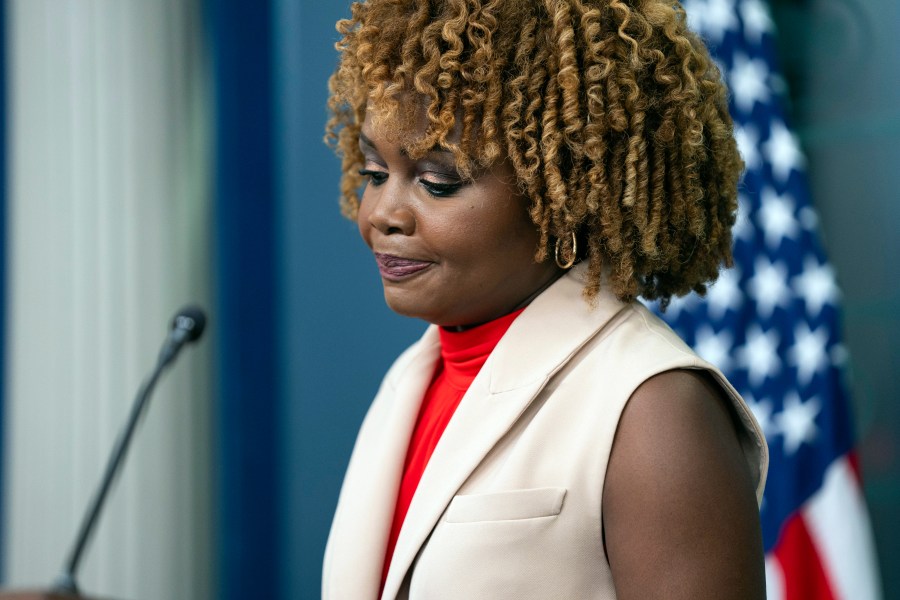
(462, 355)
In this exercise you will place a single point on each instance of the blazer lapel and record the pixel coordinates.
(536, 346)
(368, 499)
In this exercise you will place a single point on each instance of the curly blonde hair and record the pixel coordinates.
(611, 112)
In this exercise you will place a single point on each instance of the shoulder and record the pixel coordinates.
(657, 363)
(679, 494)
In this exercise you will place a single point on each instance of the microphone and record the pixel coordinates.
(187, 327)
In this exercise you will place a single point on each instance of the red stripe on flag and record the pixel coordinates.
(804, 576)
(853, 459)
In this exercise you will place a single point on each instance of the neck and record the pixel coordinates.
(556, 274)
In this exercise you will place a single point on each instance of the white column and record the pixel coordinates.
(109, 233)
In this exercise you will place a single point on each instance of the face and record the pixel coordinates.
(453, 252)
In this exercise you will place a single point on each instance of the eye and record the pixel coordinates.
(440, 190)
(376, 178)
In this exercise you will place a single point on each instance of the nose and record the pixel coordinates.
(386, 209)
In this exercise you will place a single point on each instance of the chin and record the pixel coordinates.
(406, 307)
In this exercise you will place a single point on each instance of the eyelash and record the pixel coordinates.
(438, 190)
(376, 178)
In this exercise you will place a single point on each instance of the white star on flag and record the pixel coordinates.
(680, 303)
(768, 286)
(714, 347)
(711, 18)
(797, 421)
(743, 228)
(724, 294)
(719, 19)
(749, 82)
(762, 410)
(808, 352)
(748, 145)
(759, 355)
(695, 9)
(757, 21)
(783, 151)
(816, 285)
(777, 217)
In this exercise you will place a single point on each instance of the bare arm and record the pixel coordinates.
(679, 506)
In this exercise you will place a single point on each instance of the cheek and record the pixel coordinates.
(362, 222)
(513, 230)
(495, 244)
(451, 233)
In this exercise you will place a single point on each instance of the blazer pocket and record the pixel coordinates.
(512, 505)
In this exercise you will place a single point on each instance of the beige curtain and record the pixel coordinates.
(109, 211)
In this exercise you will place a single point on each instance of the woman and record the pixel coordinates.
(528, 168)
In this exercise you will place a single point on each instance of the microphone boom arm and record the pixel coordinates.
(188, 326)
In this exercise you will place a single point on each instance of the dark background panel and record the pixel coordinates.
(247, 470)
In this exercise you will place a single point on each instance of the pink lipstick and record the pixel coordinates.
(396, 268)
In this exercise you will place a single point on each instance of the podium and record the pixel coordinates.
(44, 595)
(38, 596)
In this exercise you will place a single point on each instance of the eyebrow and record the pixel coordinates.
(364, 139)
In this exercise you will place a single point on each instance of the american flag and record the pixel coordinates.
(772, 325)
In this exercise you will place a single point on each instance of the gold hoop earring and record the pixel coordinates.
(568, 264)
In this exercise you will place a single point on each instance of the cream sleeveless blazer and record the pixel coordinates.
(510, 504)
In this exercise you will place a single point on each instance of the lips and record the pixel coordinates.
(396, 268)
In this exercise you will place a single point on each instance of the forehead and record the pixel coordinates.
(404, 119)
